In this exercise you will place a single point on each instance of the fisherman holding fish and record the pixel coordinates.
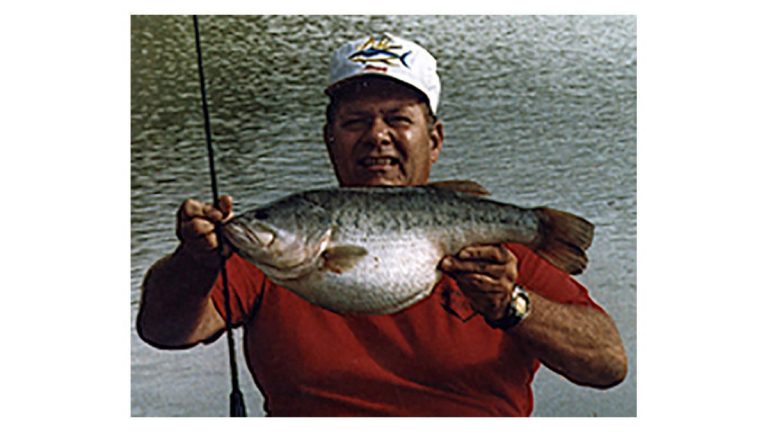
(422, 299)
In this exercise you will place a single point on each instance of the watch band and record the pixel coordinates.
(518, 309)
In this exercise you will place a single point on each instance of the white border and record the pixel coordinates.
(66, 173)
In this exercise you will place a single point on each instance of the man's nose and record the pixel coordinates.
(379, 132)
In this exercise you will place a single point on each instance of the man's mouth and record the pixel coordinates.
(370, 162)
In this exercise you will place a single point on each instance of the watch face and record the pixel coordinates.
(521, 305)
(517, 310)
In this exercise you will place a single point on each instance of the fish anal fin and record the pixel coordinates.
(464, 186)
(342, 258)
(563, 239)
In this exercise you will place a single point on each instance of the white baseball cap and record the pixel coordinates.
(389, 56)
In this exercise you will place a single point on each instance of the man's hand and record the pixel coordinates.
(195, 228)
(576, 341)
(176, 310)
(486, 274)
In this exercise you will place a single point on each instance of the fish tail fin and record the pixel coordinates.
(402, 58)
(563, 239)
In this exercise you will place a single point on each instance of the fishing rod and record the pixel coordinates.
(236, 402)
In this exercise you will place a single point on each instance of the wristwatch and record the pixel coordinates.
(517, 310)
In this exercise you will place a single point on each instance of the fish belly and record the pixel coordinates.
(395, 273)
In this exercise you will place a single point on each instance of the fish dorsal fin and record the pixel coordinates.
(339, 259)
(464, 186)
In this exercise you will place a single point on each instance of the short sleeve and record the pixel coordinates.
(246, 285)
(539, 276)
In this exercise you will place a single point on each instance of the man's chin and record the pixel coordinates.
(378, 180)
(384, 182)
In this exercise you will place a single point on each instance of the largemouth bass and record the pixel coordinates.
(376, 250)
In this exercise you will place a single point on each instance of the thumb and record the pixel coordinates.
(225, 205)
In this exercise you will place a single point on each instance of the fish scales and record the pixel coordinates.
(400, 210)
(376, 250)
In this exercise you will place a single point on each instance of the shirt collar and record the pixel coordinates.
(453, 300)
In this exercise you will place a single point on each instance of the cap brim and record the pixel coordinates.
(346, 81)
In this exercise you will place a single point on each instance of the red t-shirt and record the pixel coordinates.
(436, 358)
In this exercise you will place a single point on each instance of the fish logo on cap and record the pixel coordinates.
(387, 55)
(381, 51)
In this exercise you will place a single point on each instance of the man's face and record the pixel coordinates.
(381, 136)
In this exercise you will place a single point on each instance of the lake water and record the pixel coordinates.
(539, 109)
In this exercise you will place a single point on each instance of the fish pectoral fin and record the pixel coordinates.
(464, 186)
(339, 259)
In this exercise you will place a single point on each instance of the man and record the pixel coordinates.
(470, 349)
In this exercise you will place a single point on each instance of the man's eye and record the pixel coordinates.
(353, 122)
(400, 119)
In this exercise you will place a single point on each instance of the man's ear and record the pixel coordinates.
(436, 141)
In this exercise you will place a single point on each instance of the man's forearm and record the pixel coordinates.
(576, 341)
(176, 310)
